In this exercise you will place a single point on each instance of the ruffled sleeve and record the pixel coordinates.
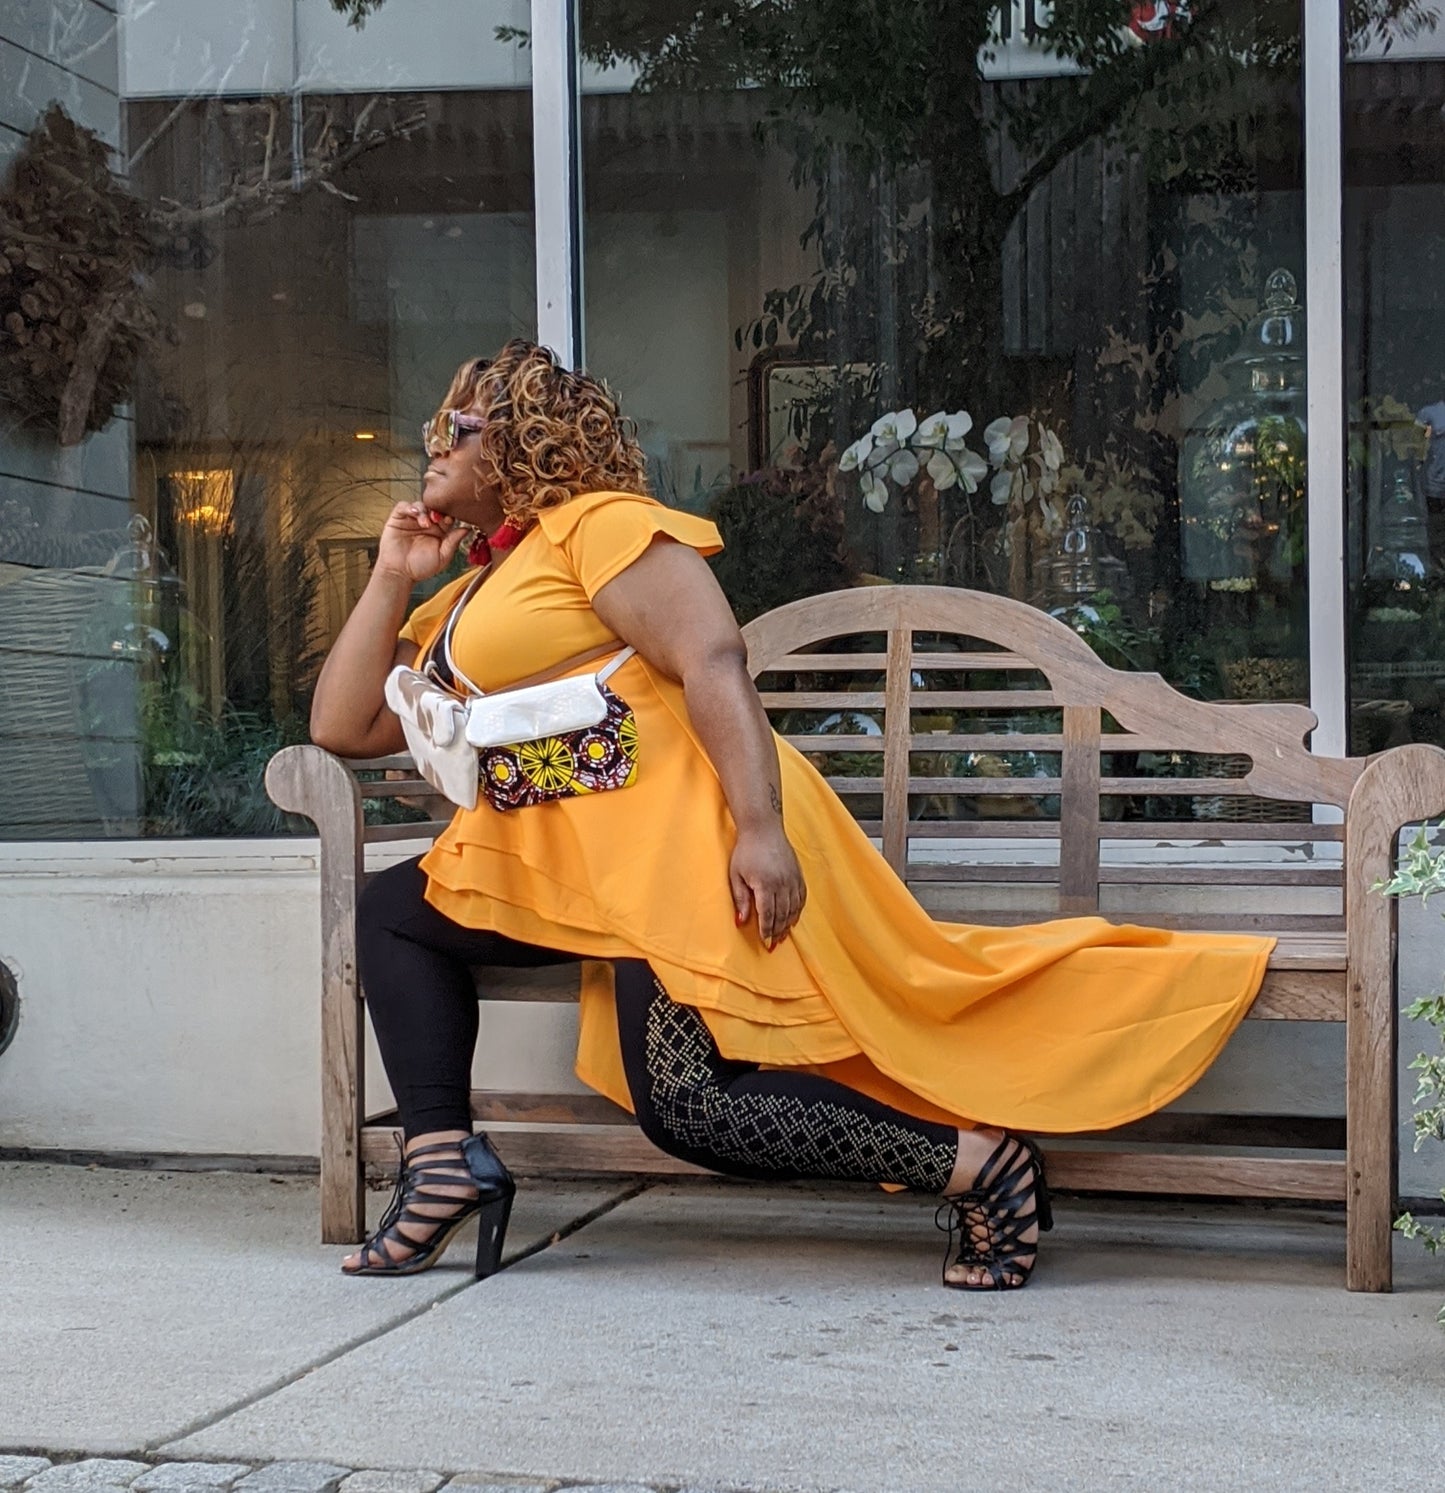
(428, 616)
(602, 533)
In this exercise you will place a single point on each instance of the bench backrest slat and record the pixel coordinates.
(950, 714)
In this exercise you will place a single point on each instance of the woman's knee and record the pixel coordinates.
(654, 1126)
(665, 1054)
(387, 900)
(672, 1126)
(391, 895)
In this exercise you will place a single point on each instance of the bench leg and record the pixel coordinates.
(1370, 1132)
(343, 1192)
(1370, 1092)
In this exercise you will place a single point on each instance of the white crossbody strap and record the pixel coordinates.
(614, 664)
(602, 676)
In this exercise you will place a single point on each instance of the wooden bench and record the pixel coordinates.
(1009, 776)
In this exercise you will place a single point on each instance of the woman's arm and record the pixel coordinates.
(349, 713)
(668, 606)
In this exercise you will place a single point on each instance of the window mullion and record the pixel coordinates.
(556, 155)
(1324, 364)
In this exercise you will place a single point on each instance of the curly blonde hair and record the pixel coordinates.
(551, 433)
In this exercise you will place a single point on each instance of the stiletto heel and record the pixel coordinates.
(492, 1221)
(989, 1220)
(495, 1191)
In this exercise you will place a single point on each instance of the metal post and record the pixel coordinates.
(1325, 371)
(557, 172)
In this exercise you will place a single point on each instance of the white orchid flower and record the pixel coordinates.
(942, 470)
(996, 438)
(972, 469)
(944, 431)
(875, 492)
(967, 470)
(1007, 439)
(932, 431)
(856, 453)
(903, 467)
(894, 450)
(1001, 486)
(960, 422)
(896, 427)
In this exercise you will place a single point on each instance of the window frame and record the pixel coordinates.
(556, 94)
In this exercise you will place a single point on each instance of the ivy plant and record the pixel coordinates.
(1421, 873)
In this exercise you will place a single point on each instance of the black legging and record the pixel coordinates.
(690, 1100)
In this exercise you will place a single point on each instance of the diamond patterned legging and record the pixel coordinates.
(690, 1100)
(760, 1122)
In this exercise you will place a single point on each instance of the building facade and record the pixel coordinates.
(1171, 280)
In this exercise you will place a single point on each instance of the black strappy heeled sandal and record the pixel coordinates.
(427, 1169)
(1009, 1194)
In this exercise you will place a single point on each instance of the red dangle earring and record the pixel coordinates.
(480, 551)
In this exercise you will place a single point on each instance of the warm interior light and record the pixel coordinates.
(204, 499)
(365, 435)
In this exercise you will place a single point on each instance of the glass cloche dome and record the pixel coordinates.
(1242, 463)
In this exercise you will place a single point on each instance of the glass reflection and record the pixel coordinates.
(1395, 314)
(239, 262)
(926, 282)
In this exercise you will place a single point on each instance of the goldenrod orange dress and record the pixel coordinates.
(1076, 1024)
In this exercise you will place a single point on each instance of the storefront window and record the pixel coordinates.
(1010, 297)
(1079, 241)
(1394, 205)
(246, 245)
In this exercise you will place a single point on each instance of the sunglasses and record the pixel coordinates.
(446, 428)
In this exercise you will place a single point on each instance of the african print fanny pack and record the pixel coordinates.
(561, 739)
(593, 758)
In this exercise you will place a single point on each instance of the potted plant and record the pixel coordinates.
(782, 529)
(926, 459)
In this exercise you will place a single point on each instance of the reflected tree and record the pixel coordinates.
(921, 165)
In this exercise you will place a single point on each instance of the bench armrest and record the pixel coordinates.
(307, 780)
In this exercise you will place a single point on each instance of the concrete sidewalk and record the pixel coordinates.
(713, 1335)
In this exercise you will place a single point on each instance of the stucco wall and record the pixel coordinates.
(169, 1001)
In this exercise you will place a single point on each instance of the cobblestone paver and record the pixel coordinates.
(393, 1482)
(486, 1482)
(118, 1475)
(14, 1470)
(93, 1475)
(190, 1477)
(489, 1482)
(293, 1477)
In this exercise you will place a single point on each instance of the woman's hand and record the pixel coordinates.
(767, 881)
(415, 546)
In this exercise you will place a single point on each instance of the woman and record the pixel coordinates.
(778, 1005)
